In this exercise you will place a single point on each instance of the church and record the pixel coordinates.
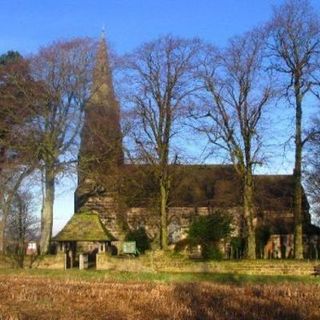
(114, 197)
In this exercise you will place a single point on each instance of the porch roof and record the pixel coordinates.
(84, 226)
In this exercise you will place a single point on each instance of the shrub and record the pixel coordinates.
(140, 237)
(211, 252)
(207, 231)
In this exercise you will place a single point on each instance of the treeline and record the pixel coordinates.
(166, 87)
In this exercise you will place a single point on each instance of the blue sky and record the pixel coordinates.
(27, 25)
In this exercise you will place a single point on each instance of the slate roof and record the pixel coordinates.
(84, 226)
(207, 185)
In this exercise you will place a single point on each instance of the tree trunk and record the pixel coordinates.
(298, 242)
(249, 216)
(2, 231)
(1, 236)
(47, 210)
(21, 239)
(163, 215)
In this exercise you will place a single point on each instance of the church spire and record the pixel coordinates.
(102, 75)
(101, 138)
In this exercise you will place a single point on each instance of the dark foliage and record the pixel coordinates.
(262, 236)
(140, 237)
(238, 247)
(207, 231)
(10, 56)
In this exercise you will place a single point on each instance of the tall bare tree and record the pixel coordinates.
(295, 47)
(19, 97)
(237, 91)
(159, 76)
(65, 69)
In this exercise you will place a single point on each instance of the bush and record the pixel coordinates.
(140, 237)
(211, 252)
(207, 231)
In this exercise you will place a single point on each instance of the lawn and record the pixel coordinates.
(74, 294)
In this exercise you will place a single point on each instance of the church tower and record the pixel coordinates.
(101, 140)
(101, 152)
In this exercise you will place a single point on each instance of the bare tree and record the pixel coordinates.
(295, 47)
(19, 97)
(160, 82)
(65, 69)
(237, 93)
(22, 226)
(11, 180)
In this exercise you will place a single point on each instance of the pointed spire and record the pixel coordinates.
(101, 138)
(102, 75)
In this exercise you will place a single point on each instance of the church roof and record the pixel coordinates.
(207, 185)
(84, 226)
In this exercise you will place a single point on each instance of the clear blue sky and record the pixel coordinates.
(27, 25)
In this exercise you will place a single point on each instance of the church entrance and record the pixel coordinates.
(88, 260)
(92, 258)
(87, 254)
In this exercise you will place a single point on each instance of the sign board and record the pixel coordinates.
(129, 247)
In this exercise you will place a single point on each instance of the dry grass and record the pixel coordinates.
(32, 297)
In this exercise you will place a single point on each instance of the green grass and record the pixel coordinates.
(94, 275)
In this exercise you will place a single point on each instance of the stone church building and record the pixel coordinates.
(113, 197)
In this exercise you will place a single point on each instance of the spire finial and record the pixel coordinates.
(103, 32)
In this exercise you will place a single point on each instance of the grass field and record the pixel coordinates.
(44, 294)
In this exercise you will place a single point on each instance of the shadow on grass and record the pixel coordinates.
(223, 302)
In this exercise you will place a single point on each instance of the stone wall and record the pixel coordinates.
(155, 262)
(117, 217)
(108, 209)
(179, 220)
(141, 264)
(50, 262)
